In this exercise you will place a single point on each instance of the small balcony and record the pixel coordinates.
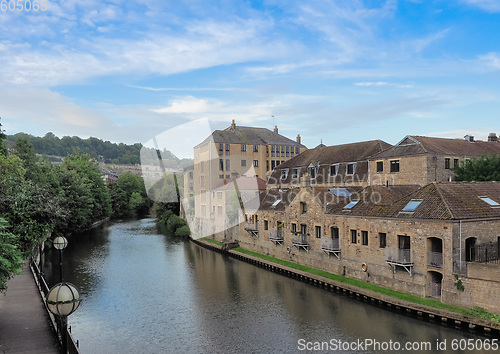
(252, 229)
(435, 259)
(276, 236)
(399, 257)
(300, 241)
(331, 246)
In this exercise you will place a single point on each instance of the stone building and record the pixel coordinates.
(422, 160)
(233, 153)
(336, 165)
(440, 240)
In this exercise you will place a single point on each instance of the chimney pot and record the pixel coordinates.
(233, 125)
(298, 138)
(276, 129)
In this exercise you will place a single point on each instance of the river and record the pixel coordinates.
(144, 292)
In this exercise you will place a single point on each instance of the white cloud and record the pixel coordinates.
(189, 104)
(381, 83)
(488, 5)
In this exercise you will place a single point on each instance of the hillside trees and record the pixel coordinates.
(128, 196)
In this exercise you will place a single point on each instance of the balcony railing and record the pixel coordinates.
(435, 259)
(276, 235)
(251, 226)
(487, 253)
(330, 244)
(299, 239)
(399, 257)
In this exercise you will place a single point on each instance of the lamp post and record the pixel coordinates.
(64, 298)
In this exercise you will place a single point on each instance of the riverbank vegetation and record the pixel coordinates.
(169, 222)
(475, 311)
(39, 200)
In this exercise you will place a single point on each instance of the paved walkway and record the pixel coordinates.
(24, 323)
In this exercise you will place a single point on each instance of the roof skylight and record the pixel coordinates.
(490, 201)
(340, 192)
(351, 204)
(412, 205)
(276, 203)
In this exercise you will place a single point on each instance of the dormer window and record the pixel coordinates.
(334, 169)
(303, 207)
(490, 201)
(295, 172)
(312, 171)
(284, 173)
(351, 168)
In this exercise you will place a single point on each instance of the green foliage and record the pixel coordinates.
(484, 168)
(3, 149)
(11, 258)
(170, 223)
(183, 231)
(458, 283)
(128, 197)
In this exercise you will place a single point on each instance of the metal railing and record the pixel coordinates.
(276, 235)
(299, 239)
(398, 255)
(44, 290)
(251, 226)
(435, 259)
(486, 253)
(330, 244)
(460, 267)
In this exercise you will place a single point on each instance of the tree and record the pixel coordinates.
(484, 168)
(10, 256)
(3, 149)
(128, 196)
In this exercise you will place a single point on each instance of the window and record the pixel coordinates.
(267, 165)
(221, 165)
(288, 151)
(455, 163)
(303, 207)
(383, 239)
(447, 164)
(297, 150)
(273, 164)
(380, 166)
(303, 229)
(291, 152)
(255, 163)
(221, 149)
(219, 209)
(364, 238)
(295, 172)
(227, 165)
(294, 227)
(228, 176)
(403, 242)
(412, 205)
(202, 167)
(490, 201)
(318, 231)
(284, 173)
(312, 171)
(334, 169)
(243, 147)
(202, 181)
(351, 204)
(282, 151)
(227, 149)
(256, 148)
(351, 168)
(354, 236)
(191, 175)
(276, 202)
(221, 176)
(340, 192)
(334, 231)
(203, 210)
(266, 225)
(272, 150)
(219, 195)
(243, 163)
(395, 166)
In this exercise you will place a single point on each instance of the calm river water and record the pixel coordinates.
(148, 293)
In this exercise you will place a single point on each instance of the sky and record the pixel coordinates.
(332, 71)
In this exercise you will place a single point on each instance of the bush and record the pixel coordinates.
(183, 231)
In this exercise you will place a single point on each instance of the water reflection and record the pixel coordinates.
(147, 293)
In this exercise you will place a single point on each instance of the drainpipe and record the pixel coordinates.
(460, 247)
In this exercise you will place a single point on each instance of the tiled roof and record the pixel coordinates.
(420, 145)
(249, 135)
(329, 155)
(270, 197)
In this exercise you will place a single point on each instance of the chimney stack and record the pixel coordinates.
(233, 125)
(492, 137)
(276, 129)
(298, 138)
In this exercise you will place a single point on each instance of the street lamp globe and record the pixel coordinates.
(63, 299)
(60, 243)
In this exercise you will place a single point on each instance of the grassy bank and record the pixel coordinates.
(475, 312)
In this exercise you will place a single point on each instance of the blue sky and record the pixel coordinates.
(336, 71)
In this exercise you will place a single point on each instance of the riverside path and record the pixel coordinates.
(24, 324)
